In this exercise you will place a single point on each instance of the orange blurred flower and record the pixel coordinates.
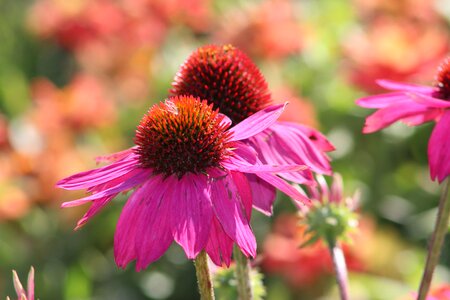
(269, 30)
(398, 49)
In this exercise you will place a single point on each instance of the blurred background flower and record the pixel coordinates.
(75, 75)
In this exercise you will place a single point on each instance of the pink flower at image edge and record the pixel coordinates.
(415, 105)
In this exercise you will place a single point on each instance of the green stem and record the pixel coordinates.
(340, 268)
(244, 285)
(204, 281)
(437, 239)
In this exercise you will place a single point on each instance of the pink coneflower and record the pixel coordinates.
(20, 291)
(187, 169)
(232, 83)
(414, 105)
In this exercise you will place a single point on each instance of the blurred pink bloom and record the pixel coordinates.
(20, 291)
(440, 292)
(227, 78)
(415, 105)
(188, 171)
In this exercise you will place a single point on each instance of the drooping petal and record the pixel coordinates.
(286, 188)
(256, 122)
(386, 116)
(383, 100)
(264, 194)
(400, 86)
(154, 232)
(244, 191)
(133, 223)
(439, 149)
(191, 214)
(220, 245)
(99, 176)
(429, 115)
(231, 214)
(139, 176)
(95, 208)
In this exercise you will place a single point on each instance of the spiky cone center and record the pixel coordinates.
(182, 135)
(226, 78)
(443, 80)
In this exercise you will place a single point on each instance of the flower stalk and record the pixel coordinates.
(244, 285)
(437, 239)
(205, 285)
(340, 268)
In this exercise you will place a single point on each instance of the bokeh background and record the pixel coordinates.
(76, 77)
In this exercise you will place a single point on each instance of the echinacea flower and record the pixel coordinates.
(187, 169)
(414, 105)
(20, 291)
(232, 83)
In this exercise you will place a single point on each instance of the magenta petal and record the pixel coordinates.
(314, 136)
(408, 87)
(95, 208)
(285, 188)
(191, 214)
(98, 176)
(429, 101)
(114, 156)
(244, 191)
(220, 245)
(154, 232)
(383, 100)
(126, 228)
(386, 116)
(430, 115)
(231, 214)
(439, 149)
(257, 122)
(264, 194)
(140, 175)
(30, 284)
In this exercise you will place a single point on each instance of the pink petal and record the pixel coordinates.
(129, 227)
(439, 149)
(95, 208)
(386, 116)
(114, 156)
(429, 101)
(264, 194)
(257, 122)
(314, 135)
(285, 188)
(191, 214)
(244, 191)
(220, 245)
(399, 86)
(98, 176)
(336, 193)
(139, 176)
(231, 214)
(292, 142)
(30, 284)
(383, 100)
(18, 286)
(430, 115)
(154, 232)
